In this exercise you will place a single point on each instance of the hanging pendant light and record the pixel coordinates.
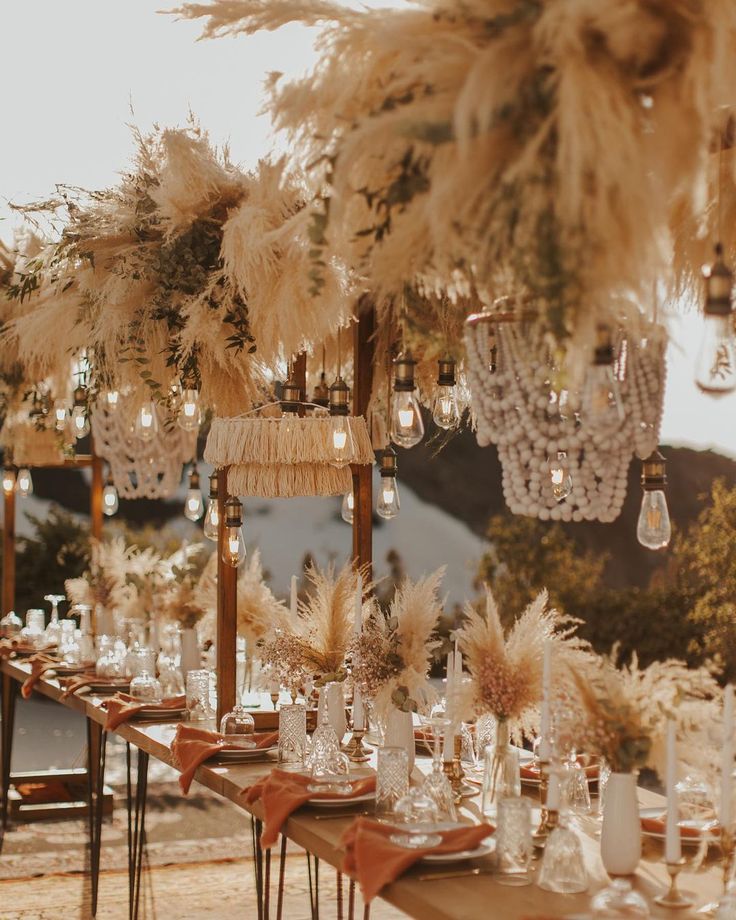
(347, 509)
(146, 422)
(233, 546)
(212, 518)
(446, 413)
(653, 528)
(407, 427)
(601, 404)
(110, 501)
(342, 447)
(715, 365)
(388, 504)
(80, 418)
(291, 397)
(10, 479)
(559, 474)
(194, 506)
(189, 417)
(60, 413)
(112, 400)
(321, 396)
(25, 482)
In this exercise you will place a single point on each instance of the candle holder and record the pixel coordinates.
(673, 897)
(275, 698)
(542, 830)
(453, 769)
(355, 750)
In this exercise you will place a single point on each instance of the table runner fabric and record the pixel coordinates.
(40, 663)
(282, 793)
(374, 861)
(122, 707)
(192, 746)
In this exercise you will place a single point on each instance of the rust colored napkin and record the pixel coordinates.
(40, 663)
(123, 706)
(282, 793)
(192, 746)
(8, 647)
(374, 861)
(658, 826)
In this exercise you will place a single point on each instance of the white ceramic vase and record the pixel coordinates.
(191, 658)
(400, 733)
(333, 696)
(621, 831)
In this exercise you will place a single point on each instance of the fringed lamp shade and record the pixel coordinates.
(286, 457)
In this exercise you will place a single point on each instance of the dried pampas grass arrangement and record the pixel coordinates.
(538, 149)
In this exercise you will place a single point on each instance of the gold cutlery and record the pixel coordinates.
(340, 814)
(459, 873)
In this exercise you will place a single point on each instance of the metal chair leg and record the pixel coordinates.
(7, 710)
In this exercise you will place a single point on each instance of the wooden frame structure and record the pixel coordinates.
(81, 461)
(227, 576)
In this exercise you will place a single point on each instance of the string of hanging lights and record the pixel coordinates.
(212, 517)
(193, 504)
(233, 544)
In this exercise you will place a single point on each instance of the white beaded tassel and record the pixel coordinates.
(514, 410)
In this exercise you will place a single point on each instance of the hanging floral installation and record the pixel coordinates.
(535, 149)
(189, 272)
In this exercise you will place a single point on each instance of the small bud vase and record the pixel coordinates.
(621, 830)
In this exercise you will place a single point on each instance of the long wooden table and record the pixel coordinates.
(467, 898)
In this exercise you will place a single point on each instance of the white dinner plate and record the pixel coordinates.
(244, 755)
(482, 849)
(712, 836)
(342, 800)
(163, 714)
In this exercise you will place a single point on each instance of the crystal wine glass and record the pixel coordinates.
(331, 773)
(436, 785)
(53, 630)
(619, 900)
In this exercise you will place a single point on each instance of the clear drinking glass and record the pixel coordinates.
(563, 865)
(619, 900)
(292, 736)
(198, 695)
(10, 625)
(325, 742)
(34, 630)
(501, 776)
(392, 779)
(514, 841)
(140, 658)
(419, 813)
(69, 649)
(436, 784)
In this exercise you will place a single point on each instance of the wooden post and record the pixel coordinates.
(95, 502)
(8, 552)
(299, 373)
(363, 360)
(227, 611)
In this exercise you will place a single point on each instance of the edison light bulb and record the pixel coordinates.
(60, 411)
(211, 519)
(654, 529)
(407, 427)
(80, 422)
(190, 414)
(559, 474)
(347, 508)
(193, 506)
(110, 503)
(715, 365)
(146, 422)
(233, 546)
(25, 482)
(446, 413)
(112, 399)
(601, 404)
(342, 447)
(388, 498)
(9, 480)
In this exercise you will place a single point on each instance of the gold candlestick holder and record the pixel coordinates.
(673, 897)
(354, 748)
(453, 769)
(275, 699)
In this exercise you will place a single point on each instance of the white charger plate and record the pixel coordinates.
(342, 800)
(244, 755)
(711, 836)
(483, 849)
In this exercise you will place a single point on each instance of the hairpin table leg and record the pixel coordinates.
(9, 693)
(136, 831)
(256, 829)
(313, 886)
(339, 896)
(351, 900)
(282, 870)
(267, 886)
(96, 749)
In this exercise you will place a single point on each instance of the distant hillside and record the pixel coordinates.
(465, 480)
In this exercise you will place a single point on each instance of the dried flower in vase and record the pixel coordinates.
(392, 655)
(624, 712)
(506, 668)
(110, 580)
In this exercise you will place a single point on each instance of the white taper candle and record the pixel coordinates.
(293, 604)
(673, 848)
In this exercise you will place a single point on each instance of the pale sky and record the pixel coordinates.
(71, 71)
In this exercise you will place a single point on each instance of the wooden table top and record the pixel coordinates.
(467, 898)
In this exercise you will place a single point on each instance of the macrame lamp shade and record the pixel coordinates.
(140, 468)
(288, 456)
(559, 463)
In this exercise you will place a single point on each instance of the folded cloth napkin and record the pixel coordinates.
(8, 647)
(374, 861)
(72, 684)
(282, 793)
(658, 826)
(192, 746)
(40, 663)
(123, 706)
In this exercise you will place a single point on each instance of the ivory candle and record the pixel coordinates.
(450, 707)
(545, 748)
(358, 710)
(358, 619)
(726, 812)
(294, 606)
(673, 847)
